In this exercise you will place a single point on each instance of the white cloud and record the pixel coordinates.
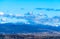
(1, 13)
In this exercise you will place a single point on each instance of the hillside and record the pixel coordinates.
(27, 28)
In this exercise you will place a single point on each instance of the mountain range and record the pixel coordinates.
(27, 28)
(30, 18)
(28, 23)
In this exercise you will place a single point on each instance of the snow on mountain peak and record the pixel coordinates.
(29, 18)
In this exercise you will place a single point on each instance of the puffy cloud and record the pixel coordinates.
(1, 13)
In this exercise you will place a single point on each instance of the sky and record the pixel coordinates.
(24, 6)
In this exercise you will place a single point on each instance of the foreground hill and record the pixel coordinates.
(27, 28)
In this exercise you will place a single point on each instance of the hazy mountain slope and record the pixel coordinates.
(26, 28)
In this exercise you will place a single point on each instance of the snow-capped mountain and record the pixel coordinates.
(28, 23)
(29, 18)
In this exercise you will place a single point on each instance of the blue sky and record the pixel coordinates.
(16, 6)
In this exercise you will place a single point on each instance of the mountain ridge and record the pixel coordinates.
(27, 28)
